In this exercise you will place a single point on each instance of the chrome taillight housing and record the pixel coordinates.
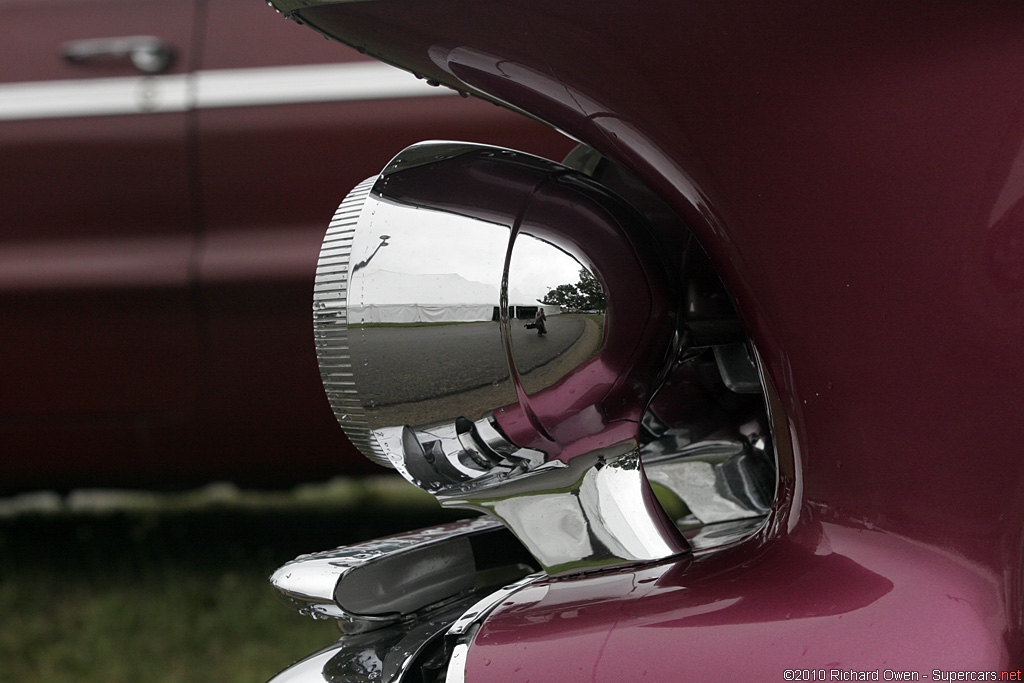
(437, 360)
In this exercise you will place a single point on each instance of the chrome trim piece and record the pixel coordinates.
(707, 538)
(148, 54)
(461, 633)
(383, 656)
(738, 368)
(217, 88)
(591, 513)
(330, 324)
(389, 655)
(377, 583)
(310, 669)
(714, 478)
(209, 89)
(451, 457)
(94, 97)
(721, 465)
(396, 597)
(475, 615)
(457, 664)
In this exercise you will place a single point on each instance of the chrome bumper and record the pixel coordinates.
(407, 603)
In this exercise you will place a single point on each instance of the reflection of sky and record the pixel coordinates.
(425, 242)
(538, 267)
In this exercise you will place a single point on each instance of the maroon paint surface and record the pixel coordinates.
(856, 174)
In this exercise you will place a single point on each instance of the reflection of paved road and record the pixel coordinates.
(406, 364)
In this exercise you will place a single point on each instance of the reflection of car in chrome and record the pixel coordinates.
(754, 463)
(155, 262)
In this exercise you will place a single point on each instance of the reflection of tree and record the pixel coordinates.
(591, 289)
(586, 295)
(566, 296)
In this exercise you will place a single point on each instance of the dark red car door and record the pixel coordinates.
(98, 342)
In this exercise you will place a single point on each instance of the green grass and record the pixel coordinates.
(174, 625)
(174, 592)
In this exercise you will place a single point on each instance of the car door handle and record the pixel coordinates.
(148, 54)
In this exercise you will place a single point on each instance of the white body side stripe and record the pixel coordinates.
(209, 89)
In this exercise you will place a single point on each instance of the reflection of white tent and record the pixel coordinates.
(382, 296)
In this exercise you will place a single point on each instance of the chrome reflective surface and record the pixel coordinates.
(148, 54)
(448, 457)
(707, 443)
(463, 330)
(330, 318)
(716, 480)
(562, 419)
(376, 583)
(554, 327)
(589, 514)
(310, 669)
(460, 634)
(436, 645)
(413, 312)
(426, 645)
(388, 655)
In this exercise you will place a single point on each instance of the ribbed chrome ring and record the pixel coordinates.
(330, 323)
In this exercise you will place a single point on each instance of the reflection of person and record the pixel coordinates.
(539, 321)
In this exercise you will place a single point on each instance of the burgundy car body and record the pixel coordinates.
(156, 259)
(856, 174)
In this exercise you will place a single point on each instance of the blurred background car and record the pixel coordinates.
(156, 262)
